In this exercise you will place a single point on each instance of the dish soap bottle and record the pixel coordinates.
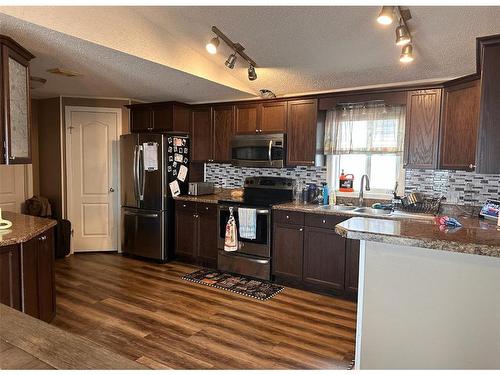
(325, 194)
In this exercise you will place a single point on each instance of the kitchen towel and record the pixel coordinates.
(231, 238)
(248, 223)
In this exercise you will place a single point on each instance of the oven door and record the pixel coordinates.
(261, 245)
(258, 151)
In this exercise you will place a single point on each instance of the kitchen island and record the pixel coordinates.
(27, 265)
(428, 296)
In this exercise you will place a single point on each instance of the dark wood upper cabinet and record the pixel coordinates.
(301, 132)
(15, 103)
(246, 118)
(423, 110)
(459, 125)
(273, 117)
(488, 150)
(223, 131)
(141, 119)
(201, 135)
(159, 117)
(10, 276)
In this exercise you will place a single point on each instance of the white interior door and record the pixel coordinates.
(12, 187)
(92, 174)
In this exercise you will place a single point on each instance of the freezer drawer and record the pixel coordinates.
(143, 233)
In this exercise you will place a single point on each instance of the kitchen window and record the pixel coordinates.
(366, 139)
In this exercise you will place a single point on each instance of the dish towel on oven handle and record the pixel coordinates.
(231, 238)
(248, 223)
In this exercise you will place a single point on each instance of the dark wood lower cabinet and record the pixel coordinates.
(196, 233)
(207, 234)
(312, 256)
(27, 276)
(10, 276)
(351, 265)
(288, 251)
(324, 258)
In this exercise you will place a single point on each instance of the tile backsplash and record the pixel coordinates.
(459, 187)
(228, 176)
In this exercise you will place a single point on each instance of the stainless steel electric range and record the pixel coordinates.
(253, 257)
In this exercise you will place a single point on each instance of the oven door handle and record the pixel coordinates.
(269, 153)
(235, 209)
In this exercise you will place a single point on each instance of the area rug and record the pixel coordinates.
(259, 289)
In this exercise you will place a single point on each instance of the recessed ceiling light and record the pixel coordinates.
(212, 46)
(64, 72)
(386, 15)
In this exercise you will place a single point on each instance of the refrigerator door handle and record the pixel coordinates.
(142, 173)
(136, 173)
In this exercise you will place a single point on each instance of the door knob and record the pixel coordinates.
(111, 190)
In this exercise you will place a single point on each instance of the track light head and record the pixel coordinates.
(231, 60)
(252, 75)
(406, 54)
(212, 45)
(402, 35)
(386, 15)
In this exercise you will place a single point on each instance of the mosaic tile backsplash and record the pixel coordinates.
(459, 187)
(228, 176)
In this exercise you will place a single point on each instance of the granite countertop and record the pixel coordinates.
(477, 236)
(24, 228)
(220, 194)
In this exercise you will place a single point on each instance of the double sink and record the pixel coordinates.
(377, 212)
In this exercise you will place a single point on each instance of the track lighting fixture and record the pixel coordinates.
(386, 15)
(402, 35)
(237, 49)
(212, 45)
(252, 75)
(406, 54)
(231, 60)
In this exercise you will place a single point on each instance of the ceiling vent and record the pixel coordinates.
(267, 94)
(64, 72)
(37, 82)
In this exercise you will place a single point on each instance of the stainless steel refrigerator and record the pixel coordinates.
(151, 166)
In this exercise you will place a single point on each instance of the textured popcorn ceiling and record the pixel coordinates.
(153, 53)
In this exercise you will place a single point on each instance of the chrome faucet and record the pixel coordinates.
(367, 188)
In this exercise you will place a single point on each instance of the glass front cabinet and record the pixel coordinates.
(15, 111)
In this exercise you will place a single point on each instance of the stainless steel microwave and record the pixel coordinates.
(262, 150)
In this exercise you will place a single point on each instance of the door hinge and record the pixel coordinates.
(72, 232)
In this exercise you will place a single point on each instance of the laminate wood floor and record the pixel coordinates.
(146, 312)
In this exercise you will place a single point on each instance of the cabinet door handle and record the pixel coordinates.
(472, 166)
(42, 238)
(184, 206)
(288, 217)
(324, 221)
(206, 208)
(301, 229)
(12, 158)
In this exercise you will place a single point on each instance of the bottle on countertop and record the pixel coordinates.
(346, 182)
(332, 199)
(325, 194)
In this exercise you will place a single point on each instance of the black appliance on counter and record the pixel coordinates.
(150, 163)
(253, 257)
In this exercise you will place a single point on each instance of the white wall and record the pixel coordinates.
(427, 309)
